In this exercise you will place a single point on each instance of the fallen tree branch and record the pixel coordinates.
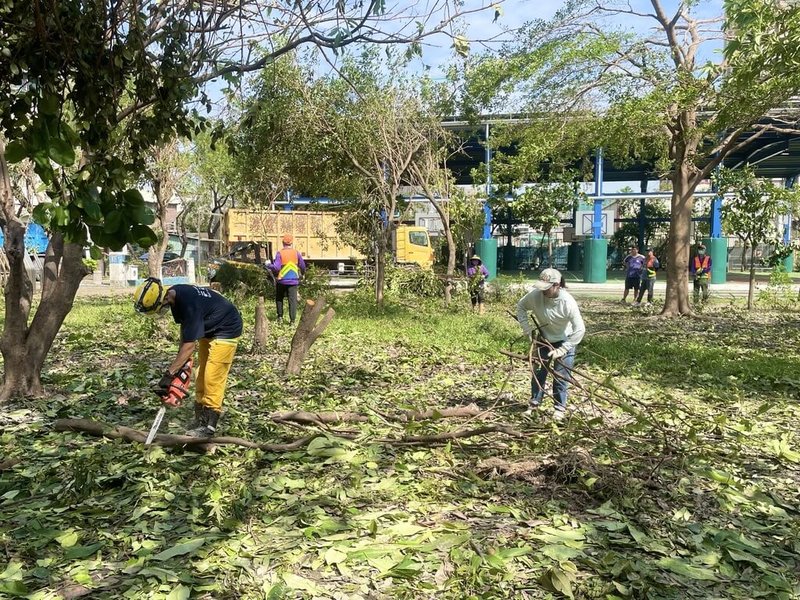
(98, 429)
(454, 435)
(9, 463)
(470, 410)
(326, 417)
(318, 418)
(514, 355)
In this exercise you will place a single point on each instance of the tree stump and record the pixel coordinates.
(262, 327)
(308, 330)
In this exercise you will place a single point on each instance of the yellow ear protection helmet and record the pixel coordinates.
(149, 295)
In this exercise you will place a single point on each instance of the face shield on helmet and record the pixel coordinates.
(149, 296)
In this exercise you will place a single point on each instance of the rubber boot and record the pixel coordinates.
(198, 420)
(481, 308)
(207, 425)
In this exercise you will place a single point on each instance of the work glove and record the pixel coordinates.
(559, 352)
(162, 388)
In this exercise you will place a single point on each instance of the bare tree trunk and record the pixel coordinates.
(752, 283)
(676, 301)
(155, 256)
(744, 256)
(308, 330)
(451, 262)
(261, 327)
(444, 215)
(380, 272)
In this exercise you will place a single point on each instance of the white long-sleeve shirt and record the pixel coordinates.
(559, 318)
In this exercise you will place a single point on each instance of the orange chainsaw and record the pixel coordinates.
(176, 390)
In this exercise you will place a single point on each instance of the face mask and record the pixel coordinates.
(701, 252)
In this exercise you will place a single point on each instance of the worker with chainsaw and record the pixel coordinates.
(556, 331)
(211, 324)
(476, 279)
(288, 267)
(700, 269)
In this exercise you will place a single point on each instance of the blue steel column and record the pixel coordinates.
(597, 216)
(595, 256)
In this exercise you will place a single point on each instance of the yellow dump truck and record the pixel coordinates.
(315, 236)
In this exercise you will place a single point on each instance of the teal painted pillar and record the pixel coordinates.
(595, 258)
(487, 250)
(788, 263)
(718, 251)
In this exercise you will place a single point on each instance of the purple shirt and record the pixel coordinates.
(633, 265)
(472, 270)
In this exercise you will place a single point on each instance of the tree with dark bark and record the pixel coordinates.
(664, 97)
(87, 88)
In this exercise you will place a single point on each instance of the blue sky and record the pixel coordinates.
(486, 33)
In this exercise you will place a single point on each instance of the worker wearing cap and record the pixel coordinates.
(700, 268)
(288, 267)
(557, 329)
(209, 322)
(476, 276)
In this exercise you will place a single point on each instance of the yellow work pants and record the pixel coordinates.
(214, 358)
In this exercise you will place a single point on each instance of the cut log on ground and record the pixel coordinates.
(261, 328)
(308, 330)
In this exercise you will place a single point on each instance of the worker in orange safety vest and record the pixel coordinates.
(700, 268)
(288, 267)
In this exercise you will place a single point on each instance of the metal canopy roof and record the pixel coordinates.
(774, 155)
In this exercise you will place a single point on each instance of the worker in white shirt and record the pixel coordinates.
(558, 328)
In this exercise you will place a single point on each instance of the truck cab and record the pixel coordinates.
(413, 246)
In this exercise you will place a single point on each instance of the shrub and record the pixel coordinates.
(779, 293)
(316, 282)
(413, 281)
(236, 278)
(90, 264)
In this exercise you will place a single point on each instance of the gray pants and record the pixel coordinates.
(647, 285)
(701, 285)
(282, 291)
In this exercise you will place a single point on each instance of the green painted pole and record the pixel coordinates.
(595, 258)
(487, 250)
(788, 263)
(717, 249)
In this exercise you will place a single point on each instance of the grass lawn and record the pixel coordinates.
(677, 474)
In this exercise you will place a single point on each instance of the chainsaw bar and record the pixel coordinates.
(156, 425)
